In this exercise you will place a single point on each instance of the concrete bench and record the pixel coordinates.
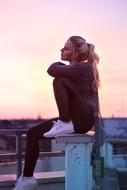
(78, 169)
(47, 180)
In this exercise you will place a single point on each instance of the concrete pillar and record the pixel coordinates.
(109, 155)
(78, 169)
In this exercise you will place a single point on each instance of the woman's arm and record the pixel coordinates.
(72, 71)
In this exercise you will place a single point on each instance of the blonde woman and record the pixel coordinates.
(74, 90)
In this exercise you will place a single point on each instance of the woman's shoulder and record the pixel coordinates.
(85, 65)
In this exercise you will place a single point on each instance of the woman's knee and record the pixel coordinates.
(30, 133)
(60, 81)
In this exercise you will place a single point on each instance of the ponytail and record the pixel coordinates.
(93, 58)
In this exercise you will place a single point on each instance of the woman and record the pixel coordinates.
(74, 90)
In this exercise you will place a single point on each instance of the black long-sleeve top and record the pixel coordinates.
(81, 76)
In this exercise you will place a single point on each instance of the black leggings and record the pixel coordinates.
(70, 107)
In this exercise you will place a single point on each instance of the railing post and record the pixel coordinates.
(19, 154)
(78, 169)
(109, 155)
(97, 156)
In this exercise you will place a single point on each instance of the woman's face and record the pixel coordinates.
(67, 52)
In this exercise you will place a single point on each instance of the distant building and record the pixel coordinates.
(116, 140)
(115, 127)
(116, 132)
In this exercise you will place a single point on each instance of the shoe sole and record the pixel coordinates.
(32, 188)
(62, 133)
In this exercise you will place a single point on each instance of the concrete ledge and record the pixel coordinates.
(50, 177)
(42, 177)
(76, 138)
(7, 180)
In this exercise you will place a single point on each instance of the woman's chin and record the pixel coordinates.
(62, 58)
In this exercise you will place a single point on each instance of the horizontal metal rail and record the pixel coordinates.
(41, 155)
(13, 131)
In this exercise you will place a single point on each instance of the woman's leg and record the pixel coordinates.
(32, 147)
(71, 106)
(64, 124)
(62, 99)
(82, 117)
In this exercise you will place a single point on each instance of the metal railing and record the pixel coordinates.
(19, 155)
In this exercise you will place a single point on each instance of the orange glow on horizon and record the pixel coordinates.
(32, 34)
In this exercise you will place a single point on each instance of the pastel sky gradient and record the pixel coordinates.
(32, 32)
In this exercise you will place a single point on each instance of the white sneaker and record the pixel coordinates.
(26, 183)
(59, 127)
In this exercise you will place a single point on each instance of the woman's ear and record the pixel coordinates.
(75, 56)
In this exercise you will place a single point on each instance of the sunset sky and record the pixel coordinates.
(32, 32)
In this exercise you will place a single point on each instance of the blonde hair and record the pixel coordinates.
(84, 51)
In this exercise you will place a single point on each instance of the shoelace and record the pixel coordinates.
(56, 124)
